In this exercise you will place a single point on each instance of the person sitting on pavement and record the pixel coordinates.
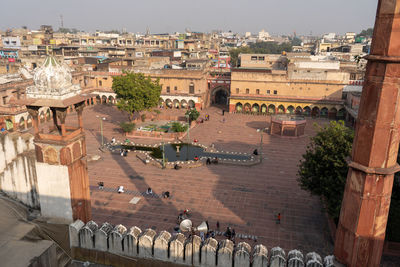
(120, 189)
(177, 167)
(255, 152)
(149, 191)
(196, 158)
(101, 185)
(113, 140)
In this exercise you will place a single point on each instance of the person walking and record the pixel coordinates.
(223, 112)
(278, 218)
(218, 225)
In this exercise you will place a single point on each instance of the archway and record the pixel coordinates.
(239, 107)
(281, 109)
(104, 99)
(220, 96)
(29, 121)
(307, 111)
(271, 109)
(168, 103)
(332, 113)
(111, 100)
(161, 102)
(184, 103)
(98, 99)
(299, 110)
(255, 108)
(191, 104)
(324, 112)
(176, 103)
(21, 124)
(48, 115)
(290, 110)
(264, 108)
(247, 107)
(41, 117)
(9, 125)
(315, 112)
(340, 114)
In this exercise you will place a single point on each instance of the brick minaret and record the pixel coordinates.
(363, 218)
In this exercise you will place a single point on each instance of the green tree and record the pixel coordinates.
(295, 41)
(234, 54)
(366, 33)
(178, 127)
(193, 115)
(127, 127)
(270, 47)
(323, 170)
(259, 48)
(136, 92)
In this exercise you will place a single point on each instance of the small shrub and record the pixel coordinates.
(178, 127)
(157, 111)
(127, 127)
(143, 117)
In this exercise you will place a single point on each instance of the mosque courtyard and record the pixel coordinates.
(247, 199)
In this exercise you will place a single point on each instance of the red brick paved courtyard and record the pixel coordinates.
(245, 198)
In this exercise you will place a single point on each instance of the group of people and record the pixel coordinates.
(214, 161)
(124, 152)
(230, 234)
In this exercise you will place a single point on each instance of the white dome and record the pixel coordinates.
(52, 75)
(52, 80)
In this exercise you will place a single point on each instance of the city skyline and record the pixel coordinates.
(204, 17)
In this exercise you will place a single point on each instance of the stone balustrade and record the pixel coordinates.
(178, 249)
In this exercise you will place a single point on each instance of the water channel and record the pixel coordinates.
(181, 152)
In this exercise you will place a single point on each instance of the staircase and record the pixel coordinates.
(63, 259)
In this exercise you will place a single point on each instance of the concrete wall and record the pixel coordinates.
(177, 249)
(18, 177)
(54, 189)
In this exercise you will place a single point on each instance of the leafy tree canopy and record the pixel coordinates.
(323, 170)
(295, 41)
(136, 92)
(67, 30)
(178, 127)
(367, 33)
(127, 127)
(260, 48)
(193, 114)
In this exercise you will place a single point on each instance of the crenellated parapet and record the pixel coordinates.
(177, 249)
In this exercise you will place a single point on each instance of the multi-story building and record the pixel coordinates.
(298, 85)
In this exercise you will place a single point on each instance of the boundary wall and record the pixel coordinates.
(179, 250)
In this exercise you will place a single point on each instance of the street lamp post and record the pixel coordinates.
(101, 129)
(188, 140)
(261, 142)
(163, 152)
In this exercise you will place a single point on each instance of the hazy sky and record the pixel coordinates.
(275, 16)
